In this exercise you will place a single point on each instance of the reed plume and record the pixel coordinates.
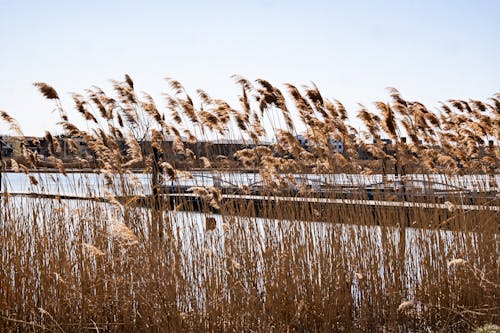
(175, 85)
(46, 90)
(129, 81)
(13, 125)
(389, 123)
(80, 105)
(134, 151)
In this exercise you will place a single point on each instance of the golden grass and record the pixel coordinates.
(85, 265)
(92, 265)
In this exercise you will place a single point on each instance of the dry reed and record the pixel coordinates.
(75, 265)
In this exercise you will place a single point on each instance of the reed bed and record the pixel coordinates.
(72, 266)
(134, 263)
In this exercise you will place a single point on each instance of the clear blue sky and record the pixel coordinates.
(430, 50)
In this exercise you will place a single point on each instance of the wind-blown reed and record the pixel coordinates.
(118, 266)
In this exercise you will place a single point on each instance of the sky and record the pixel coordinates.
(430, 50)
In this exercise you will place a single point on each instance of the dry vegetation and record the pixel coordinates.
(85, 265)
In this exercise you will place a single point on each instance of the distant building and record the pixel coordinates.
(14, 145)
(335, 145)
(6, 148)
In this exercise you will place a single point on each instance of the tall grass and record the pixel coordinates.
(74, 265)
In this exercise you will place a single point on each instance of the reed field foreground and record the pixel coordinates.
(134, 263)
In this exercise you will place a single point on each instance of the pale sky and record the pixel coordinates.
(430, 50)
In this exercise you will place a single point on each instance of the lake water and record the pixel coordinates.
(92, 184)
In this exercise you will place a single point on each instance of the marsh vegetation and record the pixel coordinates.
(116, 265)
